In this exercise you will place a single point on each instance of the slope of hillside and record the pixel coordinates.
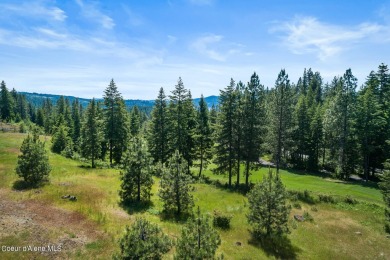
(90, 227)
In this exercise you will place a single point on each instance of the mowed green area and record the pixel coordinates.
(318, 184)
(332, 234)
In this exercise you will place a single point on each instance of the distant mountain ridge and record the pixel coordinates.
(38, 98)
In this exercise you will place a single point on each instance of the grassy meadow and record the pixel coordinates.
(338, 230)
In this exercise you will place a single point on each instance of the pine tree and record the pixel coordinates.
(143, 240)
(225, 155)
(238, 129)
(253, 123)
(76, 119)
(116, 123)
(384, 185)
(135, 121)
(280, 118)
(91, 133)
(268, 212)
(136, 175)
(347, 143)
(7, 104)
(61, 139)
(33, 163)
(370, 122)
(175, 187)
(199, 240)
(203, 139)
(182, 123)
(158, 129)
(383, 152)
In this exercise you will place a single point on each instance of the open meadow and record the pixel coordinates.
(90, 227)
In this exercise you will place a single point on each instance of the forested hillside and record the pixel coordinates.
(338, 130)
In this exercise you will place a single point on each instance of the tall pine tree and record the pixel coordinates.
(158, 129)
(203, 139)
(115, 122)
(91, 133)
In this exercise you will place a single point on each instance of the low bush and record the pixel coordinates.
(221, 220)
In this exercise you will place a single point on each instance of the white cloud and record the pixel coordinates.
(202, 46)
(214, 48)
(34, 9)
(308, 35)
(91, 11)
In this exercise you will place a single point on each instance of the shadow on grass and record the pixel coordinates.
(174, 218)
(21, 185)
(278, 247)
(136, 207)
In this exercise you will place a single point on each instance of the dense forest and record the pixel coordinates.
(337, 127)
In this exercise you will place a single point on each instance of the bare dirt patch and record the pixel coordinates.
(35, 223)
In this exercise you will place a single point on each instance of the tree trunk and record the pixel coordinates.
(247, 173)
(139, 187)
(201, 165)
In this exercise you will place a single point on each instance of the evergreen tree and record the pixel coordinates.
(76, 119)
(301, 131)
(175, 187)
(280, 118)
(268, 212)
(135, 121)
(370, 122)
(33, 163)
(225, 155)
(213, 118)
(143, 240)
(7, 103)
(91, 133)
(203, 139)
(347, 143)
(383, 152)
(238, 129)
(253, 123)
(116, 123)
(199, 240)
(384, 185)
(182, 123)
(61, 139)
(136, 175)
(158, 129)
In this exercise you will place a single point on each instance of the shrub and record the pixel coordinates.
(199, 240)
(326, 198)
(307, 216)
(297, 205)
(221, 220)
(268, 212)
(348, 199)
(143, 240)
(33, 164)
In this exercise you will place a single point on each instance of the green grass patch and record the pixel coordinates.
(340, 230)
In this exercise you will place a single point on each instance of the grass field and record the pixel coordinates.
(92, 225)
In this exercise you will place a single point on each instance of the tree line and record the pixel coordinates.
(309, 125)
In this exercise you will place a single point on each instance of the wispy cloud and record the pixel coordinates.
(91, 11)
(308, 35)
(202, 46)
(202, 2)
(214, 48)
(41, 39)
(133, 18)
(35, 9)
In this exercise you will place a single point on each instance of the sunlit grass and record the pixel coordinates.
(330, 235)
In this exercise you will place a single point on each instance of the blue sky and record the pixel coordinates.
(75, 47)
